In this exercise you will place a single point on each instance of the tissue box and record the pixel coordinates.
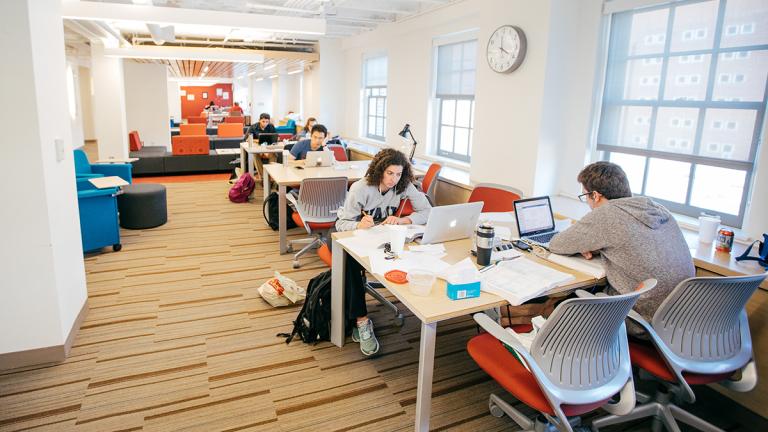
(463, 291)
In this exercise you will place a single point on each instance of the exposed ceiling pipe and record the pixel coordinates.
(109, 30)
(161, 34)
(299, 44)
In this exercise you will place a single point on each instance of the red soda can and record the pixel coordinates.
(724, 241)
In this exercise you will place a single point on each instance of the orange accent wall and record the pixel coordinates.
(193, 108)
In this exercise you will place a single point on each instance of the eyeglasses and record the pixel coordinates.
(583, 197)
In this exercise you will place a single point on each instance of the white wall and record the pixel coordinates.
(261, 98)
(146, 102)
(174, 100)
(311, 93)
(86, 102)
(41, 257)
(332, 86)
(73, 101)
(109, 115)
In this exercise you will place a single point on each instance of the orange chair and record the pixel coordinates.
(338, 152)
(496, 198)
(235, 119)
(428, 186)
(192, 129)
(183, 145)
(230, 130)
(135, 142)
(324, 252)
(197, 120)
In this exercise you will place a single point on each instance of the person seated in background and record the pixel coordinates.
(635, 237)
(316, 142)
(211, 106)
(306, 131)
(263, 126)
(371, 200)
(236, 110)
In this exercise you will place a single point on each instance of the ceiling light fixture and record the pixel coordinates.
(205, 69)
(260, 79)
(240, 77)
(272, 76)
(295, 72)
(252, 73)
(272, 66)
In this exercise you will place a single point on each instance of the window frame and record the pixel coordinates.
(759, 107)
(367, 95)
(439, 98)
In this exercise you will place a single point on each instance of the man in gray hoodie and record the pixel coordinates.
(635, 237)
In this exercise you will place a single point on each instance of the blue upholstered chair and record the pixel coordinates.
(98, 218)
(85, 169)
(289, 128)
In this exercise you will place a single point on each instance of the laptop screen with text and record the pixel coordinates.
(534, 216)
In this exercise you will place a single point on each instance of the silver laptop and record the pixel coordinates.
(318, 159)
(451, 222)
(535, 221)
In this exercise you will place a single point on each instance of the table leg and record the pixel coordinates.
(250, 164)
(265, 186)
(337, 294)
(243, 159)
(424, 383)
(282, 222)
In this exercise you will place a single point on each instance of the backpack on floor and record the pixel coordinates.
(313, 323)
(271, 211)
(242, 189)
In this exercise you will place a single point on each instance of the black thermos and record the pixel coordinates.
(484, 244)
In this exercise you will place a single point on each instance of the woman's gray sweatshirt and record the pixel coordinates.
(637, 239)
(362, 196)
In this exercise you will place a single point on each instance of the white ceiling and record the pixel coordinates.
(342, 18)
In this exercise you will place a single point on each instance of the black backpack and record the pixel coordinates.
(313, 324)
(271, 212)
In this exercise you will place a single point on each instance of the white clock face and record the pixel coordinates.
(506, 49)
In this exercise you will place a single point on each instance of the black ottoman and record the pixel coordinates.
(142, 205)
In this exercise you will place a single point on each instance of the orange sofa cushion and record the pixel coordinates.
(230, 130)
(183, 145)
(235, 119)
(192, 129)
(194, 120)
(135, 142)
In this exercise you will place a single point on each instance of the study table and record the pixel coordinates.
(247, 153)
(286, 175)
(429, 310)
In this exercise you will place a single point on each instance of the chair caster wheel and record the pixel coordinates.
(495, 410)
(399, 320)
(289, 249)
(117, 247)
(296, 264)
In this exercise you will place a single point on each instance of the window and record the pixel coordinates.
(375, 98)
(711, 90)
(455, 99)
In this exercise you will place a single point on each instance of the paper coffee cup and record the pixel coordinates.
(397, 238)
(708, 226)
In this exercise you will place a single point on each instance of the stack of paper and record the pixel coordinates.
(521, 279)
(593, 267)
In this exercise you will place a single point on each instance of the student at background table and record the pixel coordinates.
(306, 131)
(371, 200)
(316, 142)
(635, 237)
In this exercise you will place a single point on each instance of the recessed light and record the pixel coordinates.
(272, 76)
(272, 66)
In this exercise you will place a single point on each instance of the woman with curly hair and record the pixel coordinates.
(373, 200)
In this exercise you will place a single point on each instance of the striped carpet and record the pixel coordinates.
(177, 338)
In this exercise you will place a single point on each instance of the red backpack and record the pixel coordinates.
(242, 188)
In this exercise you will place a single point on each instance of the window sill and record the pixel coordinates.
(452, 173)
(572, 208)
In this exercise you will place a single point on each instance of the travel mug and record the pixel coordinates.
(484, 244)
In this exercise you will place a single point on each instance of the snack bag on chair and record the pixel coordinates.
(281, 291)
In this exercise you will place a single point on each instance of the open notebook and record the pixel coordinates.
(521, 279)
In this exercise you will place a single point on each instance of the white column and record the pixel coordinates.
(146, 103)
(42, 287)
(109, 103)
(331, 84)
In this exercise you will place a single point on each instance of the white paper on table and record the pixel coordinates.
(462, 272)
(505, 217)
(562, 224)
(406, 262)
(363, 243)
(504, 233)
(521, 279)
(432, 249)
(505, 254)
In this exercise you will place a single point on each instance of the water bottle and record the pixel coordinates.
(484, 244)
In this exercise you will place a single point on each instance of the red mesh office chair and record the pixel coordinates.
(338, 152)
(496, 198)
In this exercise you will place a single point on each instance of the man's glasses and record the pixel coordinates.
(583, 197)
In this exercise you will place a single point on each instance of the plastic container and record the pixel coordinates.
(421, 282)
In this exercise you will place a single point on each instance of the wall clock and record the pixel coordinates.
(506, 49)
